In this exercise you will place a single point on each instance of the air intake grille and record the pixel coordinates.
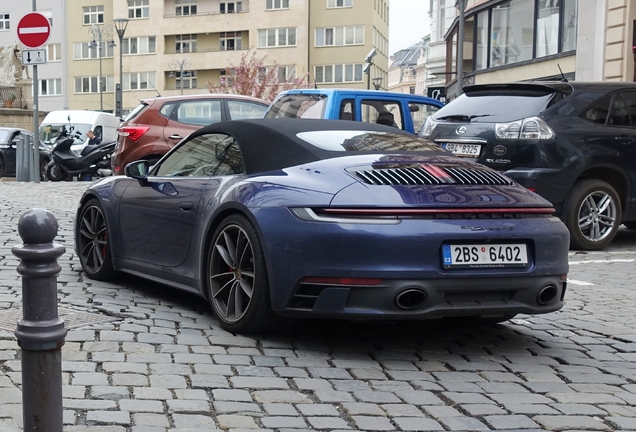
(432, 175)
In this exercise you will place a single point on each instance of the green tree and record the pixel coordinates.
(253, 78)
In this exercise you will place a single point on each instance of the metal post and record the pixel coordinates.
(40, 332)
(35, 169)
(120, 25)
(460, 50)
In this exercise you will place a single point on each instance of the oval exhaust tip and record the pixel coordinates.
(410, 299)
(547, 294)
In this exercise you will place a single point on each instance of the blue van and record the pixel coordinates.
(402, 110)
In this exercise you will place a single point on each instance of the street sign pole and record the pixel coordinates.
(34, 30)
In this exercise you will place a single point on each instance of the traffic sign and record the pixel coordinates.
(34, 30)
(34, 56)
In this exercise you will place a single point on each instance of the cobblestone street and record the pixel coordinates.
(155, 360)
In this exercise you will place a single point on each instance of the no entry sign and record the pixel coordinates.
(34, 30)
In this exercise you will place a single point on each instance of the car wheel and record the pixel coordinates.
(237, 281)
(55, 173)
(592, 214)
(93, 244)
(2, 168)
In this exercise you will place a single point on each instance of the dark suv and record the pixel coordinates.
(574, 143)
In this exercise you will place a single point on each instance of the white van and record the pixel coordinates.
(103, 125)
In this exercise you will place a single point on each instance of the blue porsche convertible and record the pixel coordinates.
(272, 219)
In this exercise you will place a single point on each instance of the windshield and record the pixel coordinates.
(49, 132)
(493, 108)
(358, 140)
(309, 106)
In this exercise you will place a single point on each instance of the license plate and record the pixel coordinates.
(484, 255)
(471, 150)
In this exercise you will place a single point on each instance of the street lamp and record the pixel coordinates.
(98, 34)
(181, 65)
(120, 25)
(377, 82)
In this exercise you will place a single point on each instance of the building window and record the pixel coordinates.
(512, 32)
(339, 3)
(5, 21)
(230, 41)
(51, 87)
(88, 84)
(83, 51)
(186, 79)
(139, 81)
(139, 45)
(283, 74)
(277, 37)
(185, 43)
(276, 4)
(138, 9)
(54, 52)
(93, 15)
(568, 38)
(231, 7)
(339, 36)
(185, 7)
(481, 41)
(547, 42)
(48, 14)
(441, 20)
(341, 73)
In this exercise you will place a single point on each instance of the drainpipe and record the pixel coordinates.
(460, 49)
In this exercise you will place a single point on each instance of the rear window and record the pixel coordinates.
(134, 113)
(310, 106)
(360, 140)
(492, 108)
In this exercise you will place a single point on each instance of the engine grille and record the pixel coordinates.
(438, 176)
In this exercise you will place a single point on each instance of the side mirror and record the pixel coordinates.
(138, 170)
(414, 108)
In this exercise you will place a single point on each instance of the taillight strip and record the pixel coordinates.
(428, 211)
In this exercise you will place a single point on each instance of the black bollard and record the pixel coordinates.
(40, 332)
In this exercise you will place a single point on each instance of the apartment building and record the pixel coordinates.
(170, 47)
(519, 40)
(52, 90)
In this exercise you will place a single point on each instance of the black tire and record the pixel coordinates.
(92, 240)
(55, 173)
(2, 167)
(43, 175)
(236, 279)
(592, 213)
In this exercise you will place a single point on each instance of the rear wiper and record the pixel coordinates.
(463, 117)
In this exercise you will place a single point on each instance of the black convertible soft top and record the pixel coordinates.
(273, 144)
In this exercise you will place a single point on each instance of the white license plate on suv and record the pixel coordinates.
(471, 150)
(484, 255)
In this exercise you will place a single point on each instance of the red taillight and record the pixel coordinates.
(133, 132)
(341, 281)
(532, 189)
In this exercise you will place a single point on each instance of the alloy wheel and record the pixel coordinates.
(597, 216)
(93, 239)
(232, 273)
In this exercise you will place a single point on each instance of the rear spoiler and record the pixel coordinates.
(519, 89)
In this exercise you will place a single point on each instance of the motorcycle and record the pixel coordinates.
(93, 161)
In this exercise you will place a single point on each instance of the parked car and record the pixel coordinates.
(402, 110)
(157, 124)
(104, 126)
(574, 143)
(274, 218)
(9, 141)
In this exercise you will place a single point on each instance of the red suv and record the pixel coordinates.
(157, 124)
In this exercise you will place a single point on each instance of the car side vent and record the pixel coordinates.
(427, 174)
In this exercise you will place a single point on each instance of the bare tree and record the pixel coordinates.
(252, 77)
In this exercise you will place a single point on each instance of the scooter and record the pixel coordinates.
(93, 161)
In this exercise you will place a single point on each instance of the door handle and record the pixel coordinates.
(186, 205)
(175, 137)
